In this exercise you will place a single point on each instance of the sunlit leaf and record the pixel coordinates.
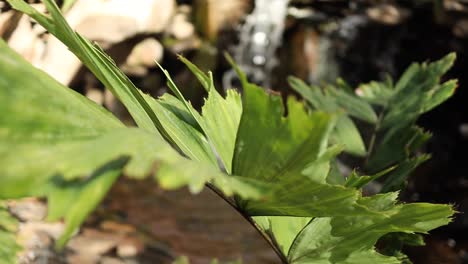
(58, 144)
(220, 116)
(351, 239)
(353, 105)
(282, 229)
(277, 149)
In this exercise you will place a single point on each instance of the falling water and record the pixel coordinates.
(260, 36)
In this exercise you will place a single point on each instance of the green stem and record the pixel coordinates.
(373, 138)
(252, 222)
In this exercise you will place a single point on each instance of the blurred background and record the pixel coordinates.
(315, 40)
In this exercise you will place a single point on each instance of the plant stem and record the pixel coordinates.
(252, 222)
(373, 138)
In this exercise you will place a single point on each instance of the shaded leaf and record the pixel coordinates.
(345, 132)
(418, 91)
(397, 178)
(8, 226)
(378, 93)
(353, 105)
(398, 144)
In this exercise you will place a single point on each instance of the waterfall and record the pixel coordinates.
(259, 37)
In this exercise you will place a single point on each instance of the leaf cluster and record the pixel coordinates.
(275, 169)
(388, 111)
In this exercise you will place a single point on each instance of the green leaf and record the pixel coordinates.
(276, 149)
(439, 95)
(58, 144)
(282, 160)
(220, 122)
(7, 222)
(75, 200)
(398, 144)
(206, 80)
(418, 91)
(392, 244)
(45, 170)
(67, 4)
(8, 226)
(345, 132)
(351, 239)
(378, 93)
(396, 179)
(356, 181)
(220, 116)
(181, 260)
(40, 109)
(314, 95)
(178, 124)
(282, 229)
(269, 144)
(353, 105)
(335, 177)
(319, 169)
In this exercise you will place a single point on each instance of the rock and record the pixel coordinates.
(181, 28)
(82, 259)
(104, 21)
(110, 260)
(59, 61)
(143, 56)
(129, 247)
(26, 43)
(29, 209)
(94, 243)
(460, 29)
(108, 29)
(463, 129)
(184, 9)
(38, 234)
(116, 107)
(388, 14)
(112, 226)
(112, 21)
(95, 95)
(454, 5)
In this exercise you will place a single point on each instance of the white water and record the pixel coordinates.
(260, 36)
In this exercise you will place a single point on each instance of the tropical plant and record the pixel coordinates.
(394, 136)
(275, 169)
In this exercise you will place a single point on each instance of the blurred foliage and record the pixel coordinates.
(391, 110)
